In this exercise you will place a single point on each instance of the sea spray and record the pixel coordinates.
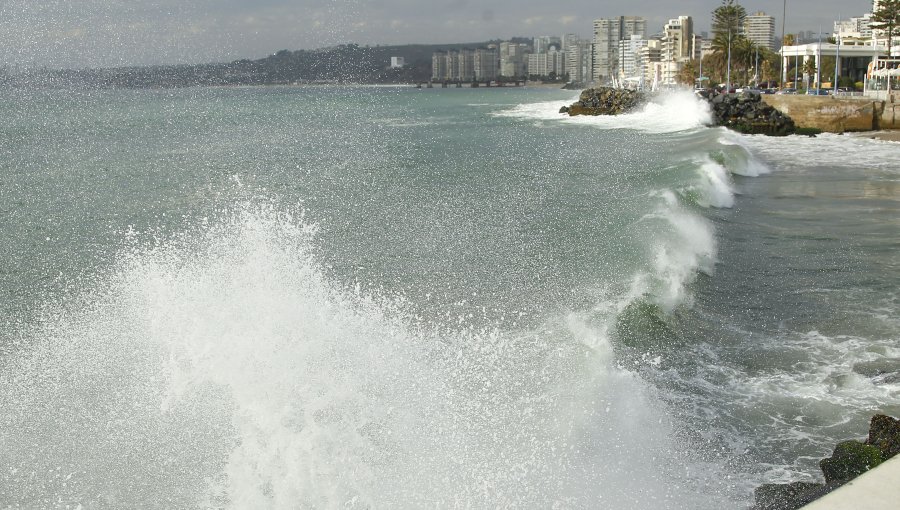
(224, 368)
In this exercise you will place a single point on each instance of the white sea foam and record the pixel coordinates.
(737, 155)
(717, 191)
(850, 151)
(682, 244)
(224, 369)
(667, 113)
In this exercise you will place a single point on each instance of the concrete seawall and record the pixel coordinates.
(837, 114)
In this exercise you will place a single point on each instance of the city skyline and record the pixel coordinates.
(101, 33)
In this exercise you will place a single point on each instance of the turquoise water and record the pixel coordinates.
(387, 297)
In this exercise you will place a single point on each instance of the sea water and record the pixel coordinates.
(384, 297)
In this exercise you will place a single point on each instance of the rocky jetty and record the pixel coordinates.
(849, 460)
(605, 101)
(747, 113)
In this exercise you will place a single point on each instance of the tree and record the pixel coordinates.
(887, 18)
(809, 69)
(727, 24)
(688, 74)
(788, 40)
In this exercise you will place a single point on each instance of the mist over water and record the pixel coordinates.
(419, 299)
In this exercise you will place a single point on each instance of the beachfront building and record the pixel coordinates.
(512, 59)
(677, 47)
(651, 62)
(854, 29)
(453, 65)
(578, 59)
(631, 70)
(607, 34)
(550, 63)
(486, 62)
(439, 65)
(852, 61)
(760, 28)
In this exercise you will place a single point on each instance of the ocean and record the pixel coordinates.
(389, 297)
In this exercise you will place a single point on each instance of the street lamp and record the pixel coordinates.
(728, 70)
(782, 73)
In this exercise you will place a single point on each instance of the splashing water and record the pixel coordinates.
(224, 369)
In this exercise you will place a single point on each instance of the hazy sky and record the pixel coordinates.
(80, 33)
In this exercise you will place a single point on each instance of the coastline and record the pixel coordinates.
(883, 135)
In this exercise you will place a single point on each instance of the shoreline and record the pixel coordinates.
(885, 135)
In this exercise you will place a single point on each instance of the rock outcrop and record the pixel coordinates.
(605, 101)
(849, 460)
(747, 113)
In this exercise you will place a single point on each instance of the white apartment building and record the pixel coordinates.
(859, 28)
(651, 61)
(677, 47)
(548, 63)
(630, 54)
(760, 28)
(397, 62)
(578, 59)
(438, 65)
(512, 59)
(607, 34)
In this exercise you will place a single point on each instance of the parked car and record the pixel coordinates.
(818, 92)
(787, 91)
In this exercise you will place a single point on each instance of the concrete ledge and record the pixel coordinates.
(878, 489)
(831, 114)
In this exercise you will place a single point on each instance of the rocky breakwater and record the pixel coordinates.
(605, 101)
(747, 113)
(849, 460)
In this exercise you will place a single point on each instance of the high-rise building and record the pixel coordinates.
(512, 59)
(550, 63)
(651, 61)
(438, 65)
(607, 34)
(854, 28)
(760, 28)
(486, 62)
(677, 47)
(578, 59)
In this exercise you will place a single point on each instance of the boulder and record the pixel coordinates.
(605, 101)
(849, 460)
(787, 496)
(746, 113)
(884, 434)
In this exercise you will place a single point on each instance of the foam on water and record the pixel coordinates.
(224, 369)
(667, 113)
(840, 150)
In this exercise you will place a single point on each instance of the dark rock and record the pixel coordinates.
(747, 114)
(884, 434)
(786, 496)
(849, 460)
(606, 101)
(564, 109)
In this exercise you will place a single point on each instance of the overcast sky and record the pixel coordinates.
(82, 33)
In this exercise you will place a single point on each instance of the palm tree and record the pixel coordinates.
(727, 24)
(809, 69)
(744, 51)
(887, 18)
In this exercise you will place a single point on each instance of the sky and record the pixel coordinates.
(109, 33)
